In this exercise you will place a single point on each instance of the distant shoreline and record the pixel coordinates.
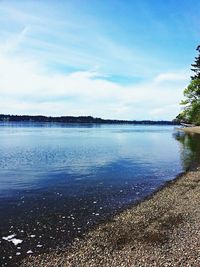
(79, 119)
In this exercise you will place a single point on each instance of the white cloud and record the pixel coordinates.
(173, 76)
(27, 87)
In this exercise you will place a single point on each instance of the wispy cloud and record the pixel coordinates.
(63, 41)
(12, 43)
(173, 76)
(73, 59)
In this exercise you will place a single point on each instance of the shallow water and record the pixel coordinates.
(57, 181)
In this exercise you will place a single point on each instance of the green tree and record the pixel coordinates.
(196, 65)
(191, 111)
(192, 93)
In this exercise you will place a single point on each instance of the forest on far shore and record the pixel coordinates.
(79, 119)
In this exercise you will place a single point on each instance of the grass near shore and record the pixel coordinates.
(161, 231)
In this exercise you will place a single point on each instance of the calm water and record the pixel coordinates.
(56, 181)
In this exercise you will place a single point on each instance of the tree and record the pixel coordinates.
(196, 66)
(191, 111)
(192, 92)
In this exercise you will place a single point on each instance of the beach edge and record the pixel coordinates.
(151, 226)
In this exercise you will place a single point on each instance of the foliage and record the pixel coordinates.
(196, 66)
(191, 111)
(192, 92)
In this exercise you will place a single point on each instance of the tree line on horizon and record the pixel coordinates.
(79, 119)
(191, 103)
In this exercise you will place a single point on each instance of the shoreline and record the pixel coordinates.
(190, 130)
(161, 230)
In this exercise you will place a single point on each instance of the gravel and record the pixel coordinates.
(163, 230)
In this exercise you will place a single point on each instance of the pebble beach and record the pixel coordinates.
(163, 230)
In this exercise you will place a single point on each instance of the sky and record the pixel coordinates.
(105, 58)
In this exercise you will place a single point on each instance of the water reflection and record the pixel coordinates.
(189, 149)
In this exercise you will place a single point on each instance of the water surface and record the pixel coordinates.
(57, 181)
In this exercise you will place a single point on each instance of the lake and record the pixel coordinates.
(58, 181)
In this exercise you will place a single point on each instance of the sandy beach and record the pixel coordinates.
(163, 230)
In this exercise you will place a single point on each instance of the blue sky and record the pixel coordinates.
(110, 59)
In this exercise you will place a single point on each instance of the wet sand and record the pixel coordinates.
(163, 230)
